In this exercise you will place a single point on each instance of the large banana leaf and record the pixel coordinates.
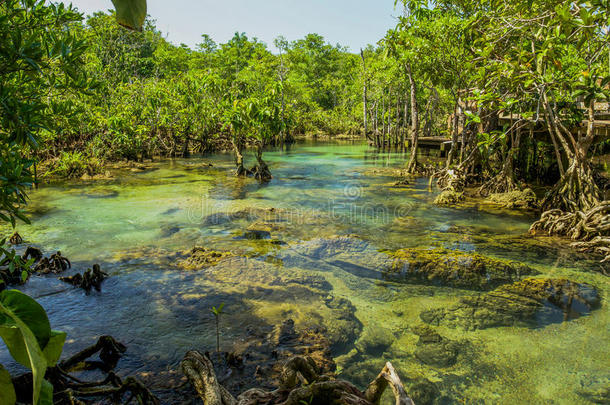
(130, 13)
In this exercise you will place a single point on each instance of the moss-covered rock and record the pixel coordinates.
(525, 199)
(343, 328)
(375, 340)
(423, 391)
(449, 197)
(200, 258)
(454, 269)
(433, 349)
(256, 234)
(531, 302)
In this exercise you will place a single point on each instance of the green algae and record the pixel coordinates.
(454, 268)
(523, 199)
(449, 198)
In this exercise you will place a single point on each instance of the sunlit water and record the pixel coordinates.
(133, 225)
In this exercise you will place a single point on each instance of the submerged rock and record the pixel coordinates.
(256, 234)
(434, 350)
(598, 395)
(344, 328)
(530, 302)
(454, 269)
(278, 292)
(221, 218)
(348, 253)
(516, 199)
(200, 257)
(169, 230)
(423, 392)
(375, 340)
(449, 197)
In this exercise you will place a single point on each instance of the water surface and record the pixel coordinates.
(134, 224)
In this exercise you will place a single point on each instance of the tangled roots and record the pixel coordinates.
(299, 383)
(591, 228)
(497, 185)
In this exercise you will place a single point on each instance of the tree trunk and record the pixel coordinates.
(239, 161)
(576, 190)
(454, 133)
(404, 126)
(377, 143)
(412, 166)
(364, 97)
(261, 171)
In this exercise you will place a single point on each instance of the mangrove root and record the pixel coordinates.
(299, 383)
(261, 173)
(90, 278)
(502, 183)
(32, 253)
(450, 179)
(71, 390)
(591, 228)
(387, 376)
(54, 264)
(16, 239)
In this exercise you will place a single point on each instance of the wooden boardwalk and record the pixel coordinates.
(539, 130)
(435, 142)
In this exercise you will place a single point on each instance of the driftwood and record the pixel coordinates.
(387, 376)
(299, 383)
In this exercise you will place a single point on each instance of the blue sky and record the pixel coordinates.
(354, 23)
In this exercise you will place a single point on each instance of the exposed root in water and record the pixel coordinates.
(15, 270)
(92, 278)
(68, 389)
(261, 172)
(450, 179)
(54, 264)
(576, 191)
(32, 253)
(590, 228)
(299, 383)
(502, 183)
(16, 239)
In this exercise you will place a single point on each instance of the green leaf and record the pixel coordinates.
(7, 391)
(130, 13)
(53, 349)
(19, 313)
(46, 393)
(28, 311)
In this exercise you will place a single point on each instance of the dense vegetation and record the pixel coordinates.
(153, 98)
(75, 94)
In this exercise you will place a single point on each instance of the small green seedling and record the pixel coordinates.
(217, 312)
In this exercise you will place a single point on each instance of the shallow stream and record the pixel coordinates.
(133, 226)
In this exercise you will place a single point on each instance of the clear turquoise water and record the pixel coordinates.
(132, 226)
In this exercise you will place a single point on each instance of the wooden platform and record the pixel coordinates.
(435, 142)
